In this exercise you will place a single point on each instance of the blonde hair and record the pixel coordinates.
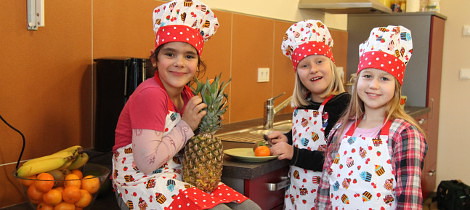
(355, 109)
(300, 93)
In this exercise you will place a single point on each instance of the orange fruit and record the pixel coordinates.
(65, 206)
(28, 180)
(33, 194)
(78, 173)
(43, 206)
(91, 184)
(61, 189)
(53, 197)
(72, 180)
(44, 182)
(262, 151)
(71, 194)
(85, 199)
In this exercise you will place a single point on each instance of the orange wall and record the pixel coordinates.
(45, 83)
(47, 80)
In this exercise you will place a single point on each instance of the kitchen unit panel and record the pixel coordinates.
(434, 92)
(422, 82)
(252, 47)
(283, 74)
(217, 54)
(257, 190)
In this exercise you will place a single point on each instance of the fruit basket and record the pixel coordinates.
(64, 189)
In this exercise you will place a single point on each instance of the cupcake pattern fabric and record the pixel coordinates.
(308, 133)
(388, 49)
(188, 21)
(362, 175)
(310, 37)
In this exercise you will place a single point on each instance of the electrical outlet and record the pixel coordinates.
(464, 73)
(466, 30)
(263, 75)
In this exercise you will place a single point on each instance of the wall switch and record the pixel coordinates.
(263, 74)
(466, 30)
(464, 73)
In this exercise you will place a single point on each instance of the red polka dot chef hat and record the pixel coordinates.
(305, 38)
(388, 49)
(188, 21)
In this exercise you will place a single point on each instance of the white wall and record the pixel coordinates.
(454, 128)
(278, 9)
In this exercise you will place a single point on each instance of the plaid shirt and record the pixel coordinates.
(408, 150)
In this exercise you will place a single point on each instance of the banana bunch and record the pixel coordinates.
(69, 158)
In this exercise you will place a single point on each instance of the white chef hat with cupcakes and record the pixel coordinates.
(189, 21)
(388, 49)
(305, 38)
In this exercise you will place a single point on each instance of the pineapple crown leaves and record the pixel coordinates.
(212, 94)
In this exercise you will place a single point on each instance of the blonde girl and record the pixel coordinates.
(376, 150)
(319, 99)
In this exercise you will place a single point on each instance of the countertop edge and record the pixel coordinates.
(242, 170)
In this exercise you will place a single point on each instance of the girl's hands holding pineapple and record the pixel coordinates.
(193, 112)
(280, 147)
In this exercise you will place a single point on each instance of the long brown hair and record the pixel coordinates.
(355, 109)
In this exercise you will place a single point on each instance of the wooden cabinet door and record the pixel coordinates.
(433, 101)
(427, 182)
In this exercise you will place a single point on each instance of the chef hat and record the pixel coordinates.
(188, 21)
(388, 49)
(304, 38)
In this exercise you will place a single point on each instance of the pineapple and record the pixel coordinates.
(203, 155)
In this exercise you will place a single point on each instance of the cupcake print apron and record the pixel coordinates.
(163, 189)
(308, 133)
(362, 174)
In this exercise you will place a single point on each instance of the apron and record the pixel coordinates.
(163, 188)
(308, 132)
(362, 174)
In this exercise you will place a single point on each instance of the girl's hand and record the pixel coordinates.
(275, 137)
(193, 112)
(283, 149)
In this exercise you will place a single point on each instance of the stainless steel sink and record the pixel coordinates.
(254, 134)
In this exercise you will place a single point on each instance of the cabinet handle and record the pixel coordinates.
(280, 185)
(431, 172)
(421, 121)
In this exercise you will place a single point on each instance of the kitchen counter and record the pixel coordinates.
(416, 111)
(241, 170)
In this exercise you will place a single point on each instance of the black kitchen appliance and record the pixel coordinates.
(116, 79)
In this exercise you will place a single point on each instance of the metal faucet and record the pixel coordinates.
(270, 110)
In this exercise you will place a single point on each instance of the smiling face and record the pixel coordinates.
(316, 75)
(375, 88)
(176, 64)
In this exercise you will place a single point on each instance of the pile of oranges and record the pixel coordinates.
(74, 192)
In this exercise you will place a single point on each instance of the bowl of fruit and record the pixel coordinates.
(63, 180)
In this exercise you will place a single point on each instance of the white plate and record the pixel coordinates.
(247, 155)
